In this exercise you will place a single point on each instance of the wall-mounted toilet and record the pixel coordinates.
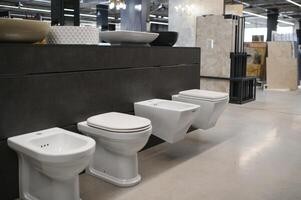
(49, 163)
(170, 119)
(212, 104)
(118, 137)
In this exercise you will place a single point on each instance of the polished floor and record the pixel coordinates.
(253, 153)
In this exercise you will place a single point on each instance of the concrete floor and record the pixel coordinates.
(253, 153)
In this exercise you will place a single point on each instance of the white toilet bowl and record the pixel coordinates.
(212, 104)
(49, 163)
(170, 120)
(118, 137)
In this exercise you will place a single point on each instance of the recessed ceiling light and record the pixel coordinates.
(295, 3)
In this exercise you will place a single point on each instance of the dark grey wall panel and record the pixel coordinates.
(35, 102)
(9, 185)
(30, 59)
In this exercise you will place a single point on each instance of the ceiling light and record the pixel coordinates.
(111, 5)
(118, 4)
(295, 3)
(43, 1)
(161, 23)
(254, 14)
(67, 9)
(285, 22)
(87, 15)
(138, 7)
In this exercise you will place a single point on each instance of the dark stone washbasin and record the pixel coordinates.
(167, 38)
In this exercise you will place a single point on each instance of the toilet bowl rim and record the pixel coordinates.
(23, 145)
(147, 104)
(120, 130)
(201, 98)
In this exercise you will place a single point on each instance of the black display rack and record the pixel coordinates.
(242, 88)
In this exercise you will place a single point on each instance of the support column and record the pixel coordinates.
(102, 14)
(58, 12)
(134, 17)
(272, 22)
(76, 6)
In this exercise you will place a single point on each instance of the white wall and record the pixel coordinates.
(182, 17)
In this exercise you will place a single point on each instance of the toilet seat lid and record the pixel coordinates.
(119, 122)
(204, 94)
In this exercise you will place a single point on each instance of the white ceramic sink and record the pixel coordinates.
(24, 31)
(53, 145)
(49, 163)
(128, 37)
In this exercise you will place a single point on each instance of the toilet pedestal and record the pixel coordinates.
(119, 137)
(35, 185)
(108, 165)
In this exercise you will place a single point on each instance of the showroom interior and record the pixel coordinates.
(150, 99)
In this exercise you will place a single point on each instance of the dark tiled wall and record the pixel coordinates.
(47, 86)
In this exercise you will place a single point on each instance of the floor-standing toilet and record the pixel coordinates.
(118, 137)
(49, 163)
(170, 120)
(212, 104)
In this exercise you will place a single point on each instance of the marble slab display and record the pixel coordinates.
(182, 17)
(215, 85)
(216, 37)
(282, 66)
(282, 73)
(234, 9)
(281, 49)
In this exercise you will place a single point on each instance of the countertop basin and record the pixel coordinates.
(128, 37)
(165, 38)
(23, 31)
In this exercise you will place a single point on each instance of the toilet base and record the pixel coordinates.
(111, 166)
(114, 180)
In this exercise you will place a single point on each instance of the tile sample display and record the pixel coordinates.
(282, 67)
(215, 35)
(216, 45)
(234, 9)
(215, 85)
(182, 17)
(281, 49)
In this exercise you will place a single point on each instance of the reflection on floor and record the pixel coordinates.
(254, 153)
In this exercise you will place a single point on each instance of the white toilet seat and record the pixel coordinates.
(113, 135)
(204, 95)
(119, 122)
(115, 125)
